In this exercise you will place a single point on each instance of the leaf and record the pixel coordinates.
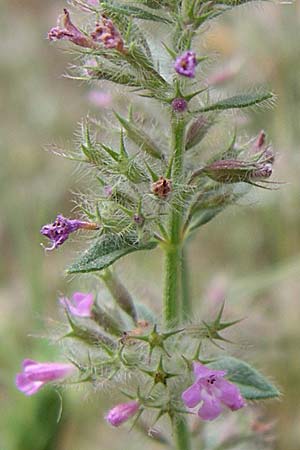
(108, 249)
(239, 101)
(204, 217)
(139, 137)
(198, 130)
(252, 384)
(134, 11)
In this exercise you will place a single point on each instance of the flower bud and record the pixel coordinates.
(80, 304)
(235, 171)
(139, 220)
(122, 412)
(162, 187)
(36, 374)
(179, 105)
(197, 131)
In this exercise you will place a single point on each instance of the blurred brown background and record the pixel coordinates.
(250, 254)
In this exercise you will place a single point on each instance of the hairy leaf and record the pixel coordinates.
(134, 11)
(203, 217)
(252, 384)
(239, 101)
(139, 137)
(108, 249)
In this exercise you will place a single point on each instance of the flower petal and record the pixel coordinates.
(230, 394)
(28, 362)
(211, 407)
(201, 371)
(84, 303)
(48, 371)
(191, 396)
(27, 386)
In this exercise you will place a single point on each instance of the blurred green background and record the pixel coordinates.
(250, 254)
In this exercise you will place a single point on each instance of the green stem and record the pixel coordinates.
(172, 302)
(172, 310)
(185, 285)
(181, 434)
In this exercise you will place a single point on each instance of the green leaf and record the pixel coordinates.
(139, 137)
(203, 217)
(134, 11)
(198, 130)
(108, 249)
(252, 384)
(239, 101)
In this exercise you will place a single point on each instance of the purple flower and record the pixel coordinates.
(122, 412)
(107, 33)
(80, 304)
(58, 231)
(70, 32)
(36, 374)
(213, 392)
(179, 105)
(186, 63)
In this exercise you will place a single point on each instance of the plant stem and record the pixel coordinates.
(172, 301)
(181, 434)
(172, 311)
(185, 285)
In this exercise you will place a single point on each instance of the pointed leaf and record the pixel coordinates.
(239, 101)
(203, 217)
(108, 249)
(252, 384)
(139, 137)
(133, 11)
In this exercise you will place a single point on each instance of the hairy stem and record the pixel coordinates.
(185, 285)
(172, 310)
(172, 301)
(181, 434)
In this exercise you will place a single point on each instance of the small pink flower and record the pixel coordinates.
(185, 64)
(212, 391)
(36, 374)
(122, 412)
(80, 304)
